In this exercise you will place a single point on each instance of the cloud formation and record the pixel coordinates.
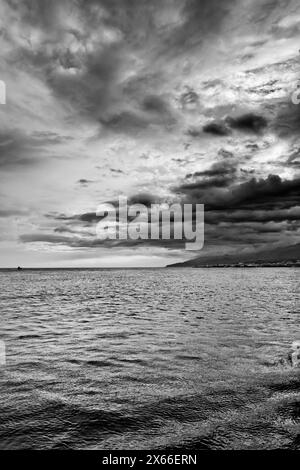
(175, 101)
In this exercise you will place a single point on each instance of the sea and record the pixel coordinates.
(149, 359)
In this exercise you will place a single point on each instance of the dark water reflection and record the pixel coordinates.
(149, 359)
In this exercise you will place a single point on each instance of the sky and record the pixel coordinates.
(156, 100)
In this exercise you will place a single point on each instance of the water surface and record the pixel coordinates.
(149, 359)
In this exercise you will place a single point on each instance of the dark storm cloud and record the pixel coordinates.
(87, 69)
(257, 201)
(219, 175)
(144, 198)
(281, 117)
(248, 215)
(253, 212)
(91, 90)
(269, 193)
(72, 232)
(216, 128)
(91, 217)
(248, 123)
(293, 164)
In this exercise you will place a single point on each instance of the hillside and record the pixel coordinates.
(289, 255)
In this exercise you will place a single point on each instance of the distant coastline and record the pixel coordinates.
(239, 265)
(280, 257)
